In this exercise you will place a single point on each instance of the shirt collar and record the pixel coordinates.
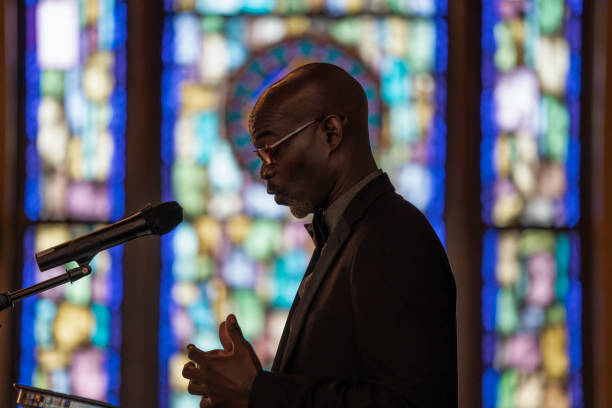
(334, 211)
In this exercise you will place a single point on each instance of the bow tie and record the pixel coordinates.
(320, 232)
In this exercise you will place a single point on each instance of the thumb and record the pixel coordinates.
(226, 341)
(235, 333)
(230, 334)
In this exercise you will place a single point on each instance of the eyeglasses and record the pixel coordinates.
(265, 153)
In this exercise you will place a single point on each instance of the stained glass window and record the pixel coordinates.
(237, 251)
(75, 130)
(532, 296)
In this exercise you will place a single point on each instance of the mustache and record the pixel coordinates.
(272, 188)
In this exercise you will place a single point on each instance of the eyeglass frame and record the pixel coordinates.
(269, 149)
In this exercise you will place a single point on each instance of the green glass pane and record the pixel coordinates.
(556, 136)
(212, 24)
(250, 313)
(533, 241)
(79, 292)
(292, 6)
(346, 31)
(396, 6)
(39, 379)
(555, 315)
(550, 15)
(421, 53)
(562, 261)
(52, 83)
(263, 238)
(205, 267)
(506, 54)
(189, 182)
(507, 312)
(507, 389)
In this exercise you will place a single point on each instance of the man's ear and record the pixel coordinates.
(334, 130)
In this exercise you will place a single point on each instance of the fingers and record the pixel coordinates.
(206, 402)
(197, 388)
(201, 357)
(226, 341)
(191, 372)
(232, 340)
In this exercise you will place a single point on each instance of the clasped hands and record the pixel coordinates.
(223, 377)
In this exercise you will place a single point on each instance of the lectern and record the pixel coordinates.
(30, 397)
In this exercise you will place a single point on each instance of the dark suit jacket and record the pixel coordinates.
(376, 327)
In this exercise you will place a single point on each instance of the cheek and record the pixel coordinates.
(298, 176)
(292, 175)
(300, 171)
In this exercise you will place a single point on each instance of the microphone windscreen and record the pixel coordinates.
(162, 218)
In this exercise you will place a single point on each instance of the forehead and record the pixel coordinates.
(281, 108)
(266, 123)
(270, 118)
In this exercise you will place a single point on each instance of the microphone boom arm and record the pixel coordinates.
(8, 299)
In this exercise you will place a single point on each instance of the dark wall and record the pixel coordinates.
(142, 265)
(464, 227)
(598, 113)
(8, 194)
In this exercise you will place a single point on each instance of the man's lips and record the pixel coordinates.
(271, 189)
(279, 198)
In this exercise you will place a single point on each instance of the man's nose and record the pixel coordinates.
(267, 171)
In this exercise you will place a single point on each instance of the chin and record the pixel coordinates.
(298, 212)
(298, 209)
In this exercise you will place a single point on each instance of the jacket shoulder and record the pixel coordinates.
(391, 215)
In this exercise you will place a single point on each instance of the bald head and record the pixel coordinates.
(312, 126)
(313, 91)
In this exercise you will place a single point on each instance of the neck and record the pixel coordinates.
(351, 175)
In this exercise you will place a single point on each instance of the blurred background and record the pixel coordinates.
(490, 116)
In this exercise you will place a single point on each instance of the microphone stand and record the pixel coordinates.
(8, 299)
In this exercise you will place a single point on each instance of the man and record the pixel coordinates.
(373, 323)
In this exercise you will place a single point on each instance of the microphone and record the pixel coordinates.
(153, 219)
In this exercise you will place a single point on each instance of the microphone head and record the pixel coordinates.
(163, 217)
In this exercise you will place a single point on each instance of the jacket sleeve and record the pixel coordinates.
(277, 390)
(403, 311)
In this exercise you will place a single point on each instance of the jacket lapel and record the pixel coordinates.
(328, 253)
(283, 341)
(341, 232)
